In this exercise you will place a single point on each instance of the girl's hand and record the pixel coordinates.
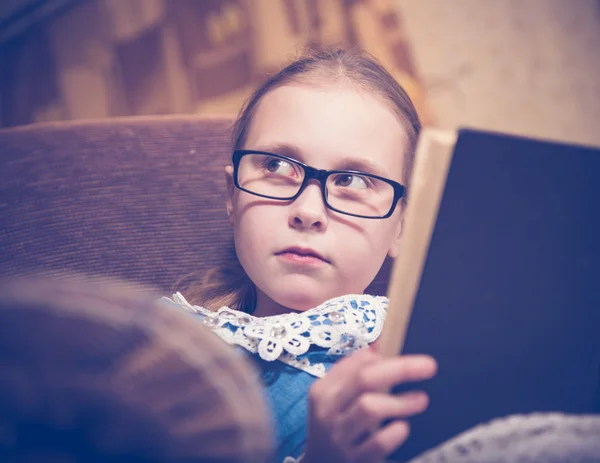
(348, 406)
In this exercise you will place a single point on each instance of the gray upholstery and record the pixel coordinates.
(538, 437)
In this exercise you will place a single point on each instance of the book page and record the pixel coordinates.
(432, 161)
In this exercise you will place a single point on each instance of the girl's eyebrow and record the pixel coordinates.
(362, 165)
(284, 149)
(345, 163)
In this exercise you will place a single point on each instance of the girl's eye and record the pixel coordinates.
(279, 166)
(352, 181)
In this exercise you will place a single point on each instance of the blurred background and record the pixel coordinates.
(529, 67)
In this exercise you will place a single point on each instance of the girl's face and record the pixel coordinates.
(335, 127)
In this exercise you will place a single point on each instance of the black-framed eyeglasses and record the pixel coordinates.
(349, 192)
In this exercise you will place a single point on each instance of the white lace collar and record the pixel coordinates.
(341, 325)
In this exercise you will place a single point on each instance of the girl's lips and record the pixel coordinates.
(302, 255)
(296, 258)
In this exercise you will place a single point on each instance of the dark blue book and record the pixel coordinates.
(499, 280)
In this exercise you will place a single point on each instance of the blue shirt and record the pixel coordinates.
(291, 351)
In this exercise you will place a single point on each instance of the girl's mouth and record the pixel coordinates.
(302, 256)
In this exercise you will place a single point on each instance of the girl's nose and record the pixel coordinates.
(308, 211)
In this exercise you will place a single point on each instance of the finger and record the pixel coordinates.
(348, 364)
(369, 372)
(368, 412)
(388, 372)
(332, 393)
(382, 443)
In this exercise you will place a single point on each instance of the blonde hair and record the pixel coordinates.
(229, 285)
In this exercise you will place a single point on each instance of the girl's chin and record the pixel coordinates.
(301, 301)
(297, 293)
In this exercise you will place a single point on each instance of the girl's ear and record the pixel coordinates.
(230, 190)
(397, 238)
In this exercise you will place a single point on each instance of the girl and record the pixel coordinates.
(322, 155)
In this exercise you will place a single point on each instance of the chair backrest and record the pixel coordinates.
(136, 198)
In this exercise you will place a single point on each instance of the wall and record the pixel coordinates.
(104, 58)
(529, 67)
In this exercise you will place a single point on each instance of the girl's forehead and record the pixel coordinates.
(326, 125)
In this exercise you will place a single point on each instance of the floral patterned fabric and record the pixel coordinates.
(337, 327)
